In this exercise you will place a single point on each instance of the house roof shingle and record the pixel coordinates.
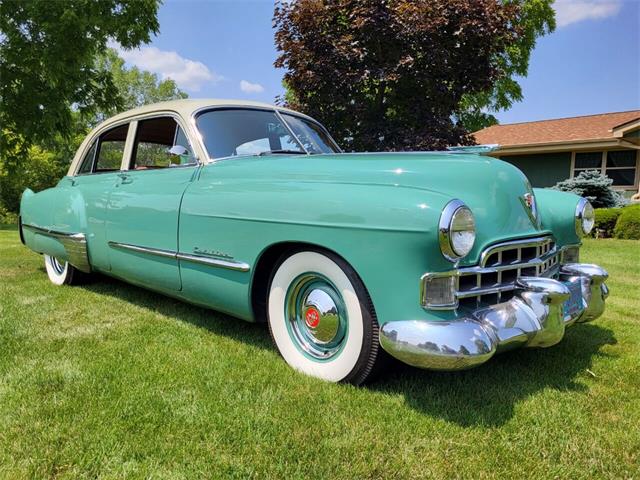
(573, 129)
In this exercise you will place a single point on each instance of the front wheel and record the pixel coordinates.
(321, 318)
(61, 272)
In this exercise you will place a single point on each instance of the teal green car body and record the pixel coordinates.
(378, 211)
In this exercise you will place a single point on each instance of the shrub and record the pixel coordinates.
(593, 186)
(606, 219)
(39, 170)
(628, 224)
(7, 217)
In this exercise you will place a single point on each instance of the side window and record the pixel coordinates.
(111, 149)
(87, 162)
(160, 143)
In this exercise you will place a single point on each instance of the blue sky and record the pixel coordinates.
(224, 49)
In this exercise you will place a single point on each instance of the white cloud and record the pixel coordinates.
(573, 11)
(188, 74)
(249, 87)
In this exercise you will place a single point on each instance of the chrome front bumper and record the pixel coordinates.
(534, 317)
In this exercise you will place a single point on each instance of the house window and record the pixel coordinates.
(587, 161)
(619, 165)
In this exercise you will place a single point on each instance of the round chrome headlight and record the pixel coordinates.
(456, 230)
(585, 217)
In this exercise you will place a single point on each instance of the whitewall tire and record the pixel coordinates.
(321, 318)
(61, 272)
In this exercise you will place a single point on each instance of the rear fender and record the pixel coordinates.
(53, 222)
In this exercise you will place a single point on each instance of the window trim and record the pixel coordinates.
(603, 165)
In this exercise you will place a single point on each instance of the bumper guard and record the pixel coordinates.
(534, 317)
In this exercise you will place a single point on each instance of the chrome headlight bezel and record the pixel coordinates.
(584, 217)
(451, 212)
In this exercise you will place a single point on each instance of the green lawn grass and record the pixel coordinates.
(109, 380)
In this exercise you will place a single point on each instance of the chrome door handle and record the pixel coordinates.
(124, 178)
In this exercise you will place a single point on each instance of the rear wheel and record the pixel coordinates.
(321, 318)
(61, 272)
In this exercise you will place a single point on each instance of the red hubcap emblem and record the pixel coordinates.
(312, 317)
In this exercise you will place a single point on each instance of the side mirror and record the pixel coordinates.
(182, 155)
(178, 150)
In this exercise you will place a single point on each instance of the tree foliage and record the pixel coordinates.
(47, 59)
(595, 187)
(393, 74)
(533, 19)
(134, 87)
(41, 165)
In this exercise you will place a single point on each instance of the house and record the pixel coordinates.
(549, 151)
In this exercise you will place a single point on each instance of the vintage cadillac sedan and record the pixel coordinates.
(440, 259)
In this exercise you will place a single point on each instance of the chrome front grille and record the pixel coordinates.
(493, 281)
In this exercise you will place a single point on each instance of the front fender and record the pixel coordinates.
(557, 213)
(387, 234)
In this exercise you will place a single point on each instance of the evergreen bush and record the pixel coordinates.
(593, 186)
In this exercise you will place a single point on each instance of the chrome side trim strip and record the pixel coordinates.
(213, 262)
(151, 251)
(75, 245)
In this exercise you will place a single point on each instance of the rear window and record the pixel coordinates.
(111, 149)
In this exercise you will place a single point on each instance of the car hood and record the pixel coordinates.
(493, 189)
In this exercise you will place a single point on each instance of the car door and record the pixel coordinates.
(91, 187)
(143, 210)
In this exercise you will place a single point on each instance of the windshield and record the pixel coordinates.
(231, 132)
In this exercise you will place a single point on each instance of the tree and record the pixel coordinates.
(593, 186)
(391, 74)
(534, 18)
(47, 59)
(41, 165)
(134, 87)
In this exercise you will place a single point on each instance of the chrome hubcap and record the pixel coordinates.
(57, 266)
(316, 316)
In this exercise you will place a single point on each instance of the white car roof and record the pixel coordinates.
(187, 106)
(184, 108)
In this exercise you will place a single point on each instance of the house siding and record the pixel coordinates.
(543, 169)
